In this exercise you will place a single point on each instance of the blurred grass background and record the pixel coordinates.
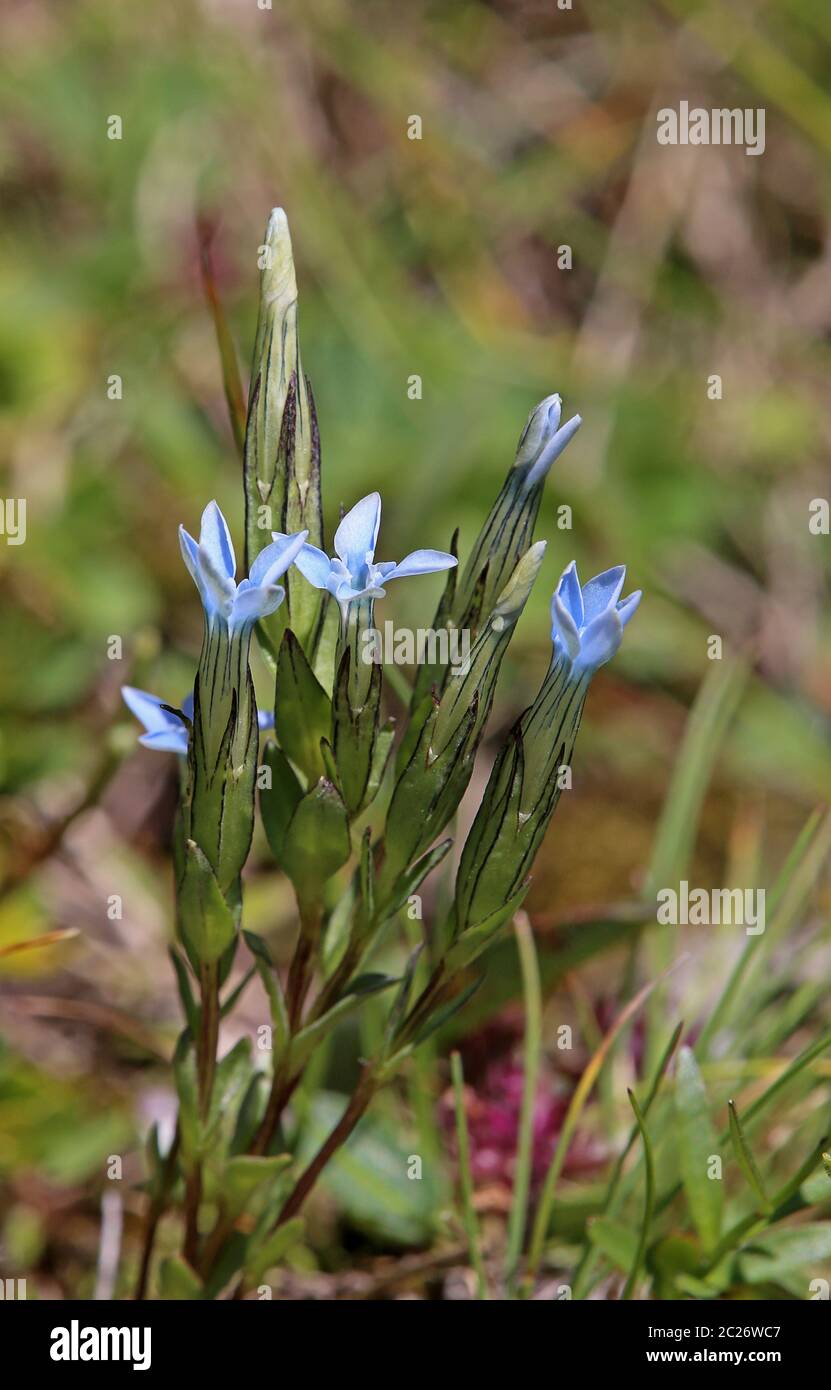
(436, 257)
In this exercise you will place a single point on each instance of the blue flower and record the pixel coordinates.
(544, 439)
(353, 574)
(588, 622)
(212, 565)
(165, 731)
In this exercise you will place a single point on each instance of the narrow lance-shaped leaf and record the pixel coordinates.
(231, 380)
(698, 1150)
(746, 1161)
(302, 709)
(649, 1198)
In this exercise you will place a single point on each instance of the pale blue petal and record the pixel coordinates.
(553, 449)
(569, 591)
(563, 627)
(421, 562)
(147, 708)
(628, 605)
(190, 555)
(168, 741)
(357, 535)
(215, 541)
(217, 588)
(265, 719)
(255, 602)
(273, 561)
(187, 705)
(603, 591)
(343, 591)
(313, 565)
(599, 640)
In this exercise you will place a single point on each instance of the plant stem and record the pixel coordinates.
(279, 1097)
(154, 1215)
(361, 1097)
(206, 1046)
(208, 1035)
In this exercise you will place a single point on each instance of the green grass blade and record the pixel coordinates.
(471, 1223)
(649, 1198)
(532, 994)
(802, 867)
(746, 1161)
(697, 1143)
(231, 379)
(585, 1267)
(710, 717)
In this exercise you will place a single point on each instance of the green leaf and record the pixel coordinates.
(366, 885)
(309, 1038)
(410, 881)
(339, 927)
(712, 712)
(697, 1143)
(250, 1113)
(317, 840)
(474, 940)
(231, 1083)
(302, 709)
(443, 1014)
(401, 1002)
(649, 1198)
(369, 1177)
(206, 922)
(278, 801)
(231, 380)
(783, 1250)
(370, 983)
(272, 987)
(263, 1255)
(355, 734)
(746, 1161)
(245, 1173)
(185, 991)
(380, 758)
(617, 1242)
(178, 1281)
(711, 715)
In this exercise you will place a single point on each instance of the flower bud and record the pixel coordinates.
(282, 445)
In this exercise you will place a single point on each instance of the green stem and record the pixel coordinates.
(206, 1046)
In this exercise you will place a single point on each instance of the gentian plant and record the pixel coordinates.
(354, 856)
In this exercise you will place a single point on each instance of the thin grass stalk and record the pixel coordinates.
(466, 1178)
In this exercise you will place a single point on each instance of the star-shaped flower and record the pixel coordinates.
(212, 565)
(353, 573)
(588, 621)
